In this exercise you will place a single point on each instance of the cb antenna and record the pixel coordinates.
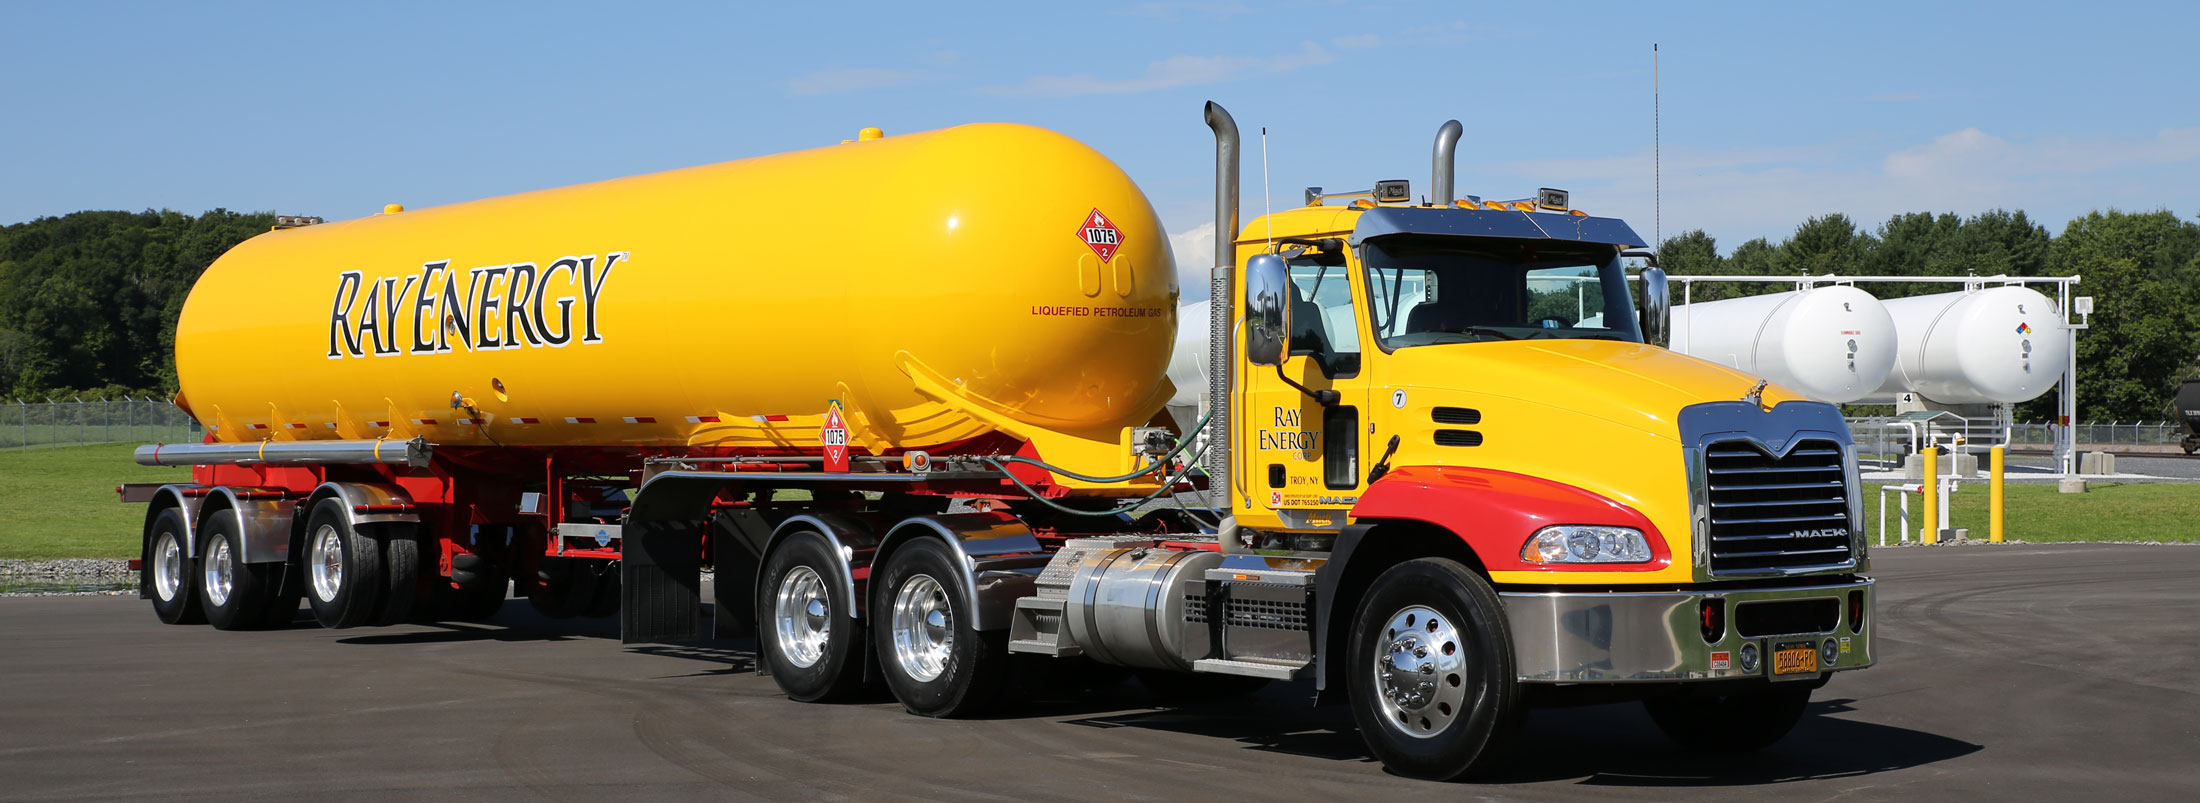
(1657, 167)
(1265, 211)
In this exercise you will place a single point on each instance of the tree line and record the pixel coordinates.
(88, 301)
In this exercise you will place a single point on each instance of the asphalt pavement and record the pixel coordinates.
(2011, 672)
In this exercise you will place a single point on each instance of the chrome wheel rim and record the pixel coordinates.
(218, 577)
(167, 566)
(1420, 672)
(803, 614)
(923, 628)
(327, 563)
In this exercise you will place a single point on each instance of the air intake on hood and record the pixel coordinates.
(1456, 415)
(1458, 437)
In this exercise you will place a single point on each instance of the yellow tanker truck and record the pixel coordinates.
(903, 397)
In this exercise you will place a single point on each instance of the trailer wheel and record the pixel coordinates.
(814, 650)
(1738, 722)
(169, 572)
(401, 573)
(564, 587)
(343, 570)
(936, 662)
(1431, 664)
(237, 595)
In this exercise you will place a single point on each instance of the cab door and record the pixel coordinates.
(1303, 463)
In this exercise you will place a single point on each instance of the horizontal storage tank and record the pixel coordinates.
(1015, 269)
(2000, 344)
(1834, 344)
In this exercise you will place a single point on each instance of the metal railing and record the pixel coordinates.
(66, 423)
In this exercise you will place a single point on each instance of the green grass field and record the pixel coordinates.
(60, 503)
(2036, 513)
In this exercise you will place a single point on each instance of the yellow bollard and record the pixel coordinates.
(1930, 489)
(1993, 493)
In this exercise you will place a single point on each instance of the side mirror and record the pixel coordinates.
(1267, 309)
(1655, 306)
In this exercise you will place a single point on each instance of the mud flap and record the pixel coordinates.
(661, 565)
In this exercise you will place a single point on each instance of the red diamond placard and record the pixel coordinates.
(834, 437)
(1100, 234)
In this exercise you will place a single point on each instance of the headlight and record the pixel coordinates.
(1580, 543)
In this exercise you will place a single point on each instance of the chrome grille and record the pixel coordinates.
(1773, 514)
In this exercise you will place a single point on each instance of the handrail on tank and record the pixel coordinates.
(414, 453)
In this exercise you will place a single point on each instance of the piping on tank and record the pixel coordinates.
(1999, 344)
(1834, 344)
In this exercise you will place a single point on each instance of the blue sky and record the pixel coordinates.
(1771, 112)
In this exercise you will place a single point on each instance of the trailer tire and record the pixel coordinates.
(815, 651)
(1432, 671)
(401, 573)
(234, 594)
(564, 587)
(343, 569)
(171, 579)
(1739, 722)
(935, 662)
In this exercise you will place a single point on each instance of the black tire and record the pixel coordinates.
(352, 593)
(815, 652)
(402, 568)
(1182, 688)
(564, 587)
(971, 665)
(478, 588)
(234, 594)
(606, 601)
(1448, 619)
(1742, 721)
(169, 574)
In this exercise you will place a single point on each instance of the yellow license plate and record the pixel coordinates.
(1795, 659)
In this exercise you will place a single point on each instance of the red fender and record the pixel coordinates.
(1496, 511)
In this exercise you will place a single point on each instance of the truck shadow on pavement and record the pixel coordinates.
(1605, 745)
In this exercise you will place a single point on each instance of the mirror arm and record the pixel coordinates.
(1325, 398)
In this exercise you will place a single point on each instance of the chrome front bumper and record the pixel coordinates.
(1633, 637)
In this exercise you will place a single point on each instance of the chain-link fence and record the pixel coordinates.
(77, 422)
(2111, 433)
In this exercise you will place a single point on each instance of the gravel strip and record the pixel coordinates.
(66, 577)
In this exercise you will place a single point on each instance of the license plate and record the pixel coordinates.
(1795, 659)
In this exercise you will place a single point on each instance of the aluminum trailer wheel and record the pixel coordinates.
(168, 569)
(237, 595)
(933, 659)
(1431, 668)
(814, 649)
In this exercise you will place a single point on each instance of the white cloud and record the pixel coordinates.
(1743, 193)
(854, 79)
(1170, 73)
(1195, 256)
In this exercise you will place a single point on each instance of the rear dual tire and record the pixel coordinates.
(814, 649)
(236, 595)
(359, 575)
(935, 660)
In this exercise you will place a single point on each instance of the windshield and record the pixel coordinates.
(1426, 290)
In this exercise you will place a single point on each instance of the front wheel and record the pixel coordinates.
(1432, 672)
(935, 659)
(1737, 722)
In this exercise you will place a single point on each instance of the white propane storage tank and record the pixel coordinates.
(1188, 366)
(1834, 344)
(1999, 344)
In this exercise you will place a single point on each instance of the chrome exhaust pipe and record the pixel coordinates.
(1441, 163)
(414, 453)
(1221, 308)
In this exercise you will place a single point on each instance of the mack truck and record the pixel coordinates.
(901, 397)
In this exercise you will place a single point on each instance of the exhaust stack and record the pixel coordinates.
(1441, 162)
(1222, 309)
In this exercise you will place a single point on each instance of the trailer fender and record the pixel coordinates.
(1003, 557)
(853, 541)
(187, 498)
(263, 517)
(365, 502)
